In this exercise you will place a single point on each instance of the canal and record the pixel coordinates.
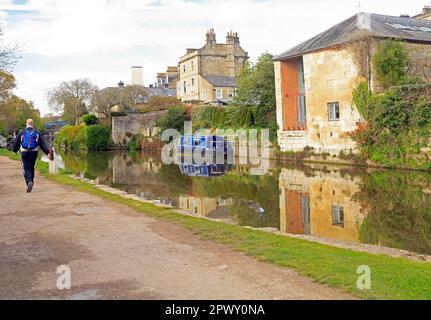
(380, 207)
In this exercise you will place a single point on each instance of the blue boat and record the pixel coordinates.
(205, 144)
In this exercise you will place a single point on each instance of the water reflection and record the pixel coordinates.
(322, 204)
(388, 208)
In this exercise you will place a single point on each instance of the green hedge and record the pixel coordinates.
(97, 137)
(94, 137)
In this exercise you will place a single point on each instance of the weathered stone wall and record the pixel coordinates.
(330, 76)
(125, 126)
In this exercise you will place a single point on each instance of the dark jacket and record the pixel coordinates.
(41, 143)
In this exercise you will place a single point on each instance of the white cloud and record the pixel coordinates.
(101, 39)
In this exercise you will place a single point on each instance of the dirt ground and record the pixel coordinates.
(115, 252)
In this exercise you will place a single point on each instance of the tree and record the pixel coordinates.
(14, 112)
(123, 97)
(7, 84)
(89, 119)
(255, 85)
(174, 119)
(390, 62)
(71, 98)
(103, 100)
(8, 55)
(256, 92)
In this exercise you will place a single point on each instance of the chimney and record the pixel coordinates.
(232, 41)
(211, 37)
(232, 38)
(121, 84)
(404, 15)
(426, 9)
(137, 75)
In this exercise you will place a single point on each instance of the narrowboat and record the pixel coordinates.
(205, 144)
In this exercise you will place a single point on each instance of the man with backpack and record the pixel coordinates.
(28, 142)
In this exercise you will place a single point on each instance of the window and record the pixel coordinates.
(338, 216)
(334, 111)
(184, 68)
(230, 93)
(302, 111)
(204, 95)
(219, 93)
(184, 87)
(193, 84)
(192, 65)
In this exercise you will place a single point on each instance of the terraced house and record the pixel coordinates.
(315, 80)
(209, 74)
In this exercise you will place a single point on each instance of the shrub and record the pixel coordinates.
(390, 62)
(89, 119)
(67, 135)
(174, 119)
(97, 138)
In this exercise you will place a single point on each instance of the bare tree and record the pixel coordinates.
(8, 55)
(72, 98)
(103, 100)
(123, 97)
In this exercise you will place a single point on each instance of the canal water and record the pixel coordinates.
(380, 207)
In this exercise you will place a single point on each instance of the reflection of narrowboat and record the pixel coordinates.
(204, 170)
(212, 144)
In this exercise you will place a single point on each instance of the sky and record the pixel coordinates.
(101, 39)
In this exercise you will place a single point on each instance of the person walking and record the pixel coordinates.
(28, 142)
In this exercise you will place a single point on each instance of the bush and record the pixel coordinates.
(97, 138)
(390, 62)
(89, 119)
(174, 119)
(67, 135)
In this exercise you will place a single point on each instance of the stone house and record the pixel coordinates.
(426, 13)
(315, 80)
(209, 74)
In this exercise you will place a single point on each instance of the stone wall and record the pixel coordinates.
(126, 125)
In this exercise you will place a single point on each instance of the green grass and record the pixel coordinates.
(392, 278)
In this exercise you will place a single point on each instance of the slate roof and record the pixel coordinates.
(364, 24)
(162, 91)
(221, 81)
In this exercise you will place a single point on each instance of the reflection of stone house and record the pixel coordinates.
(204, 206)
(321, 205)
(209, 74)
(315, 80)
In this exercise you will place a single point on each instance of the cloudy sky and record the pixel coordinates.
(101, 39)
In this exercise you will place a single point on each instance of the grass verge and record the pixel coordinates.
(391, 278)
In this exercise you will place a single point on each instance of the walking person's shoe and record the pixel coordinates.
(30, 186)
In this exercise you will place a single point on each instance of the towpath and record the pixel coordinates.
(114, 252)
